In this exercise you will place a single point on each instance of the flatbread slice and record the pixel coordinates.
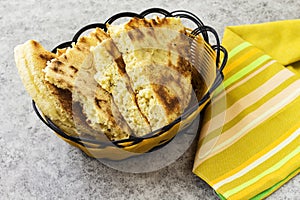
(98, 105)
(111, 75)
(73, 70)
(62, 71)
(55, 103)
(156, 55)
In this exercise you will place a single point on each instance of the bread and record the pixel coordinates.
(111, 75)
(131, 81)
(73, 70)
(62, 71)
(55, 103)
(156, 55)
(98, 105)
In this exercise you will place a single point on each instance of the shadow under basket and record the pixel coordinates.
(133, 146)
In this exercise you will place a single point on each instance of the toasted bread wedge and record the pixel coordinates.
(73, 70)
(98, 105)
(111, 75)
(156, 55)
(63, 70)
(55, 103)
(58, 104)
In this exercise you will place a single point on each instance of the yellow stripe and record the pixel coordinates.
(258, 76)
(243, 103)
(232, 64)
(238, 49)
(246, 79)
(241, 73)
(277, 166)
(265, 193)
(265, 182)
(264, 189)
(258, 155)
(208, 168)
(251, 120)
(264, 99)
(244, 71)
(250, 109)
(218, 103)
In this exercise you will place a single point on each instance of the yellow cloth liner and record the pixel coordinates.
(252, 147)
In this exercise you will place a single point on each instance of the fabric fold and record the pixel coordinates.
(279, 39)
(249, 143)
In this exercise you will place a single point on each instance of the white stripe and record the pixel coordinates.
(221, 96)
(251, 98)
(264, 174)
(259, 161)
(246, 79)
(209, 149)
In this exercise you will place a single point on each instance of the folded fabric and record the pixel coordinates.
(249, 143)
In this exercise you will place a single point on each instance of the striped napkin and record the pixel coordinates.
(250, 139)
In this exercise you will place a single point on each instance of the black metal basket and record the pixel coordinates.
(203, 30)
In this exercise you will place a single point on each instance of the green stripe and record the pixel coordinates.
(276, 186)
(232, 154)
(237, 49)
(265, 173)
(251, 108)
(240, 74)
(258, 120)
(267, 192)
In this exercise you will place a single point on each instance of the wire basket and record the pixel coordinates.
(121, 149)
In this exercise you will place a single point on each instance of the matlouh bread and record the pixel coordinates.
(74, 70)
(55, 103)
(97, 104)
(156, 54)
(62, 70)
(131, 81)
(111, 75)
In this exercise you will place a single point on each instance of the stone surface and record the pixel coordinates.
(35, 164)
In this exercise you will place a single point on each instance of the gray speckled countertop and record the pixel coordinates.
(35, 164)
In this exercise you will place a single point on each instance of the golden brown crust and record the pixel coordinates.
(31, 59)
(155, 23)
(166, 35)
(97, 105)
(112, 77)
(55, 103)
(63, 70)
(168, 100)
(156, 51)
